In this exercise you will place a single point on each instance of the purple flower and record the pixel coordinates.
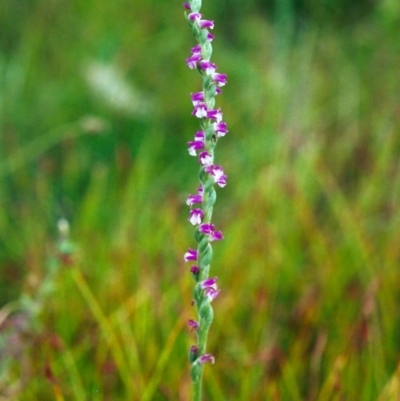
(215, 114)
(219, 79)
(216, 236)
(194, 16)
(197, 97)
(210, 36)
(201, 23)
(195, 216)
(200, 110)
(208, 229)
(208, 67)
(199, 136)
(220, 129)
(217, 173)
(195, 269)
(195, 57)
(193, 352)
(196, 49)
(192, 61)
(195, 145)
(191, 254)
(209, 283)
(198, 198)
(205, 158)
(210, 288)
(193, 324)
(192, 199)
(206, 358)
(187, 6)
(211, 294)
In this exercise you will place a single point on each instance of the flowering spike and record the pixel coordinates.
(212, 129)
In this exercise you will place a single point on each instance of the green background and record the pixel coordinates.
(95, 115)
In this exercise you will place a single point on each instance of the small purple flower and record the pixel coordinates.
(211, 294)
(204, 23)
(209, 283)
(210, 288)
(194, 16)
(208, 67)
(208, 229)
(195, 269)
(192, 61)
(215, 114)
(193, 353)
(217, 173)
(199, 136)
(205, 158)
(195, 216)
(193, 325)
(197, 144)
(187, 6)
(192, 199)
(194, 146)
(220, 129)
(198, 198)
(191, 254)
(196, 49)
(200, 110)
(219, 79)
(206, 358)
(201, 23)
(195, 57)
(216, 236)
(210, 37)
(197, 97)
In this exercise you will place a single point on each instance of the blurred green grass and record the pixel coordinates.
(95, 116)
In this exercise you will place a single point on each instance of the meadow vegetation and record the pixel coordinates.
(94, 124)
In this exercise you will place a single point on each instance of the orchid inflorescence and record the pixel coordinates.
(201, 204)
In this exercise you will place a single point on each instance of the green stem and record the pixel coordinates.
(197, 387)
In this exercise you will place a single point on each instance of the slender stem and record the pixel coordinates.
(197, 387)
